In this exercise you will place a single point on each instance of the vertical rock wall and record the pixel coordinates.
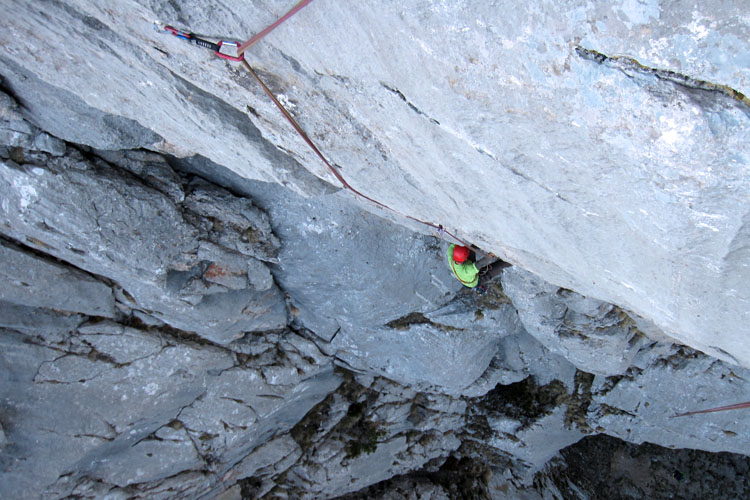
(231, 323)
(601, 145)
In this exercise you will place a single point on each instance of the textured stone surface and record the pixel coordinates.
(123, 407)
(79, 401)
(446, 350)
(16, 132)
(73, 209)
(485, 338)
(676, 381)
(151, 168)
(53, 325)
(532, 420)
(554, 109)
(342, 256)
(599, 147)
(575, 326)
(362, 435)
(27, 280)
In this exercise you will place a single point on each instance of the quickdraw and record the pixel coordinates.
(216, 47)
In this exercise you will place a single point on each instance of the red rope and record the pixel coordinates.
(721, 408)
(242, 48)
(307, 139)
(302, 133)
(333, 169)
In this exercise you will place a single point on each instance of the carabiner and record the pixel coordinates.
(218, 52)
(192, 38)
(178, 33)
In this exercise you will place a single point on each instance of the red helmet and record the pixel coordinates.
(460, 254)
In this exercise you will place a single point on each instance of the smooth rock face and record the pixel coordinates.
(81, 123)
(446, 351)
(31, 281)
(421, 356)
(343, 256)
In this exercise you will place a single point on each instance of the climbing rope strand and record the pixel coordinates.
(711, 410)
(306, 138)
(334, 171)
(440, 229)
(216, 47)
(242, 48)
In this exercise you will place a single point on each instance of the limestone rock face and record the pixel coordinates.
(31, 281)
(600, 145)
(126, 408)
(192, 306)
(440, 352)
(344, 256)
(575, 326)
(139, 406)
(72, 208)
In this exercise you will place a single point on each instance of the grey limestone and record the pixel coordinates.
(603, 144)
(192, 305)
(425, 356)
(29, 280)
(72, 208)
(16, 132)
(574, 326)
(342, 248)
(34, 321)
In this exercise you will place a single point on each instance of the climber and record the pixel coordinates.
(468, 272)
